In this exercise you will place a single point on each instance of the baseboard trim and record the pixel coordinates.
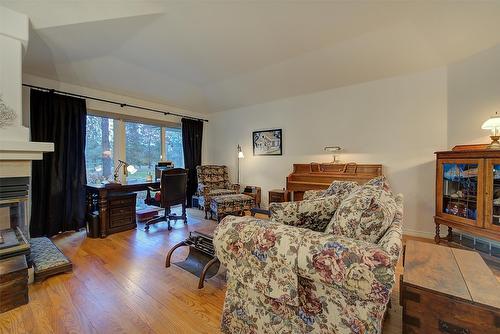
(420, 234)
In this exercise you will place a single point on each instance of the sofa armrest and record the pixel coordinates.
(233, 186)
(204, 189)
(392, 241)
(269, 257)
(261, 255)
(357, 267)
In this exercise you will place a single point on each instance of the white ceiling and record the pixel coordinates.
(209, 56)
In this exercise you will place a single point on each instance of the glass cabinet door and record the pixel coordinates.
(460, 190)
(492, 219)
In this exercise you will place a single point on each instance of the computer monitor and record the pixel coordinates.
(161, 166)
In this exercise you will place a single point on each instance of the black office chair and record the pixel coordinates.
(173, 186)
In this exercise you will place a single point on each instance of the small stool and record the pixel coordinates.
(234, 204)
(254, 211)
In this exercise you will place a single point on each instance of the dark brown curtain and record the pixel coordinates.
(192, 134)
(58, 192)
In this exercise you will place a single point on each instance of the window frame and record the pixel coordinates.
(119, 133)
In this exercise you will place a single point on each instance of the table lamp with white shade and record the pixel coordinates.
(127, 169)
(493, 124)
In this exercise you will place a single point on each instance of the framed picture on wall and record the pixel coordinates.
(267, 142)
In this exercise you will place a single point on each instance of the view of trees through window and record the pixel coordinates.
(99, 149)
(143, 148)
(173, 138)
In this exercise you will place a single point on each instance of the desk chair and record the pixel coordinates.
(173, 187)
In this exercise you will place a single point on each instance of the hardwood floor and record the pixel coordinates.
(120, 285)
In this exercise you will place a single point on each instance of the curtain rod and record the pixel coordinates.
(113, 102)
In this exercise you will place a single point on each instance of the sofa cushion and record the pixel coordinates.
(313, 214)
(366, 213)
(336, 188)
(219, 192)
(341, 188)
(313, 194)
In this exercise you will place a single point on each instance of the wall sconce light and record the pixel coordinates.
(493, 124)
(334, 150)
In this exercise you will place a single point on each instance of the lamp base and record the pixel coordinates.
(495, 144)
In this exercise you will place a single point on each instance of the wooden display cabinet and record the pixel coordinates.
(468, 191)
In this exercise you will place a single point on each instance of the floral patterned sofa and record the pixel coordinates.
(313, 268)
(213, 180)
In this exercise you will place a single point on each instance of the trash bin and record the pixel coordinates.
(93, 225)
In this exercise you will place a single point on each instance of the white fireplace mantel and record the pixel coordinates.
(20, 150)
(16, 150)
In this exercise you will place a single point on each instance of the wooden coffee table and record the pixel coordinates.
(448, 290)
(201, 249)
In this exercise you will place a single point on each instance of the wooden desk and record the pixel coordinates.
(97, 198)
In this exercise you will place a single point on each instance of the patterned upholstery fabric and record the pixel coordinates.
(284, 279)
(336, 188)
(223, 205)
(213, 180)
(213, 193)
(314, 214)
(46, 256)
(366, 213)
(341, 188)
(313, 194)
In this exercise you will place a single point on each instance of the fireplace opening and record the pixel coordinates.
(14, 197)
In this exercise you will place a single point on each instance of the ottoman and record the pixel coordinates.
(233, 204)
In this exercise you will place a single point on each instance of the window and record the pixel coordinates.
(99, 149)
(142, 148)
(173, 144)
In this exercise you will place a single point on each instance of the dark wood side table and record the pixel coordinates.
(448, 290)
(278, 196)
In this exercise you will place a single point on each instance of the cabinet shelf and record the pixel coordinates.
(472, 174)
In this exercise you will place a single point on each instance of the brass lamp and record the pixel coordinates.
(335, 150)
(127, 168)
(493, 124)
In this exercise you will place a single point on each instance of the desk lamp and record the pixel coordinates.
(127, 168)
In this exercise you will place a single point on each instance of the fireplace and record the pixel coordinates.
(14, 197)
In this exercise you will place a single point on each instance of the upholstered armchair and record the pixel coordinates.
(213, 180)
(299, 274)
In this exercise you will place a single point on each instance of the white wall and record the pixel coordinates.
(473, 96)
(399, 122)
